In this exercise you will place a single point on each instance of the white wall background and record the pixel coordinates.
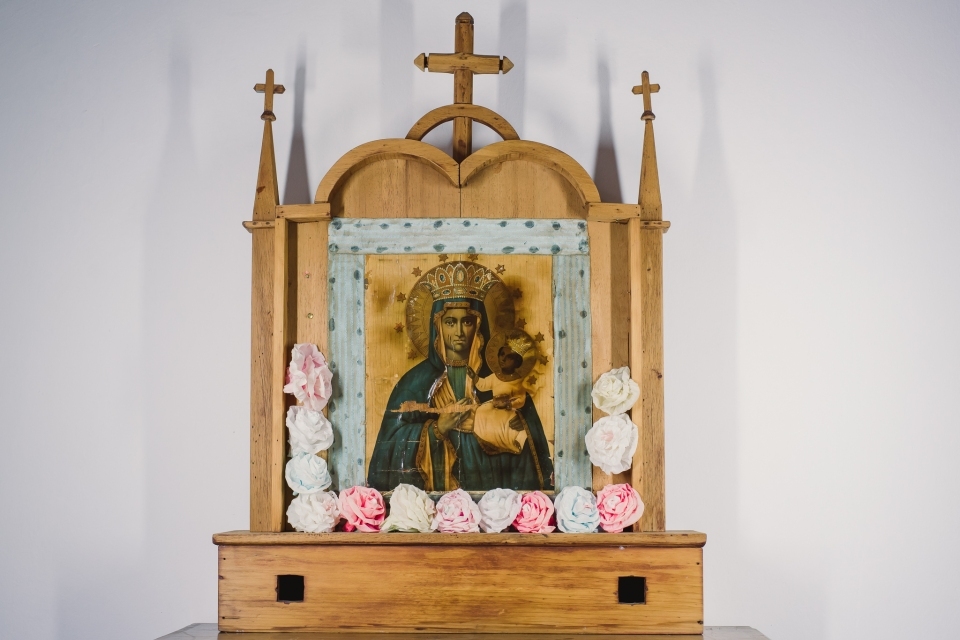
(809, 159)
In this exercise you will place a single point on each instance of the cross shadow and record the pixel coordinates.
(606, 173)
(511, 98)
(297, 187)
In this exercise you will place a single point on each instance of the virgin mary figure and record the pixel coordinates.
(425, 439)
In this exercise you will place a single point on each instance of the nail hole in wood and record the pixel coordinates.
(289, 588)
(631, 590)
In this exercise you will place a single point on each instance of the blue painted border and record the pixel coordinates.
(572, 371)
(457, 235)
(347, 360)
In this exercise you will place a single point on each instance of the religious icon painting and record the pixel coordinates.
(461, 353)
(459, 388)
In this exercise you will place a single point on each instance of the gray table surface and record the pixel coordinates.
(209, 630)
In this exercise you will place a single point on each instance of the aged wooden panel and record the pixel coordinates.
(396, 188)
(521, 189)
(573, 374)
(647, 539)
(346, 337)
(610, 299)
(508, 589)
(390, 353)
(458, 235)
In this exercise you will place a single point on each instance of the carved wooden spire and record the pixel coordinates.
(463, 63)
(650, 205)
(268, 193)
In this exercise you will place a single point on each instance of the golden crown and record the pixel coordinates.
(459, 280)
(520, 344)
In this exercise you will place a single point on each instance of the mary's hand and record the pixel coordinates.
(446, 422)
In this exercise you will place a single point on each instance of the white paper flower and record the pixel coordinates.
(615, 392)
(456, 513)
(307, 473)
(411, 510)
(576, 510)
(309, 377)
(498, 509)
(611, 443)
(314, 512)
(310, 431)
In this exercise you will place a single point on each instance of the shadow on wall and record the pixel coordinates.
(511, 98)
(396, 68)
(606, 173)
(297, 187)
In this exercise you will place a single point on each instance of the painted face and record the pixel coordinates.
(508, 360)
(458, 328)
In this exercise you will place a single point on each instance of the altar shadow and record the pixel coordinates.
(296, 190)
(606, 172)
(397, 51)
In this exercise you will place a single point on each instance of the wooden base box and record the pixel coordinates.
(631, 583)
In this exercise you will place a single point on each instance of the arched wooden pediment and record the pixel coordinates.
(403, 178)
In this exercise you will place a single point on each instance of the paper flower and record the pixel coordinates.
(498, 509)
(307, 473)
(615, 392)
(310, 431)
(536, 511)
(362, 509)
(314, 512)
(619, 506)
(456, 513)
(308, 377)
(411, 510)
(576, 510)
(611, 443)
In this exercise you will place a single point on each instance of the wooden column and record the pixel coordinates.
(265, 483)
(463, 89)
(646, 329)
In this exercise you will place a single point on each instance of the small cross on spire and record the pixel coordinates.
(463, 64)
(646, 89)
(268, 89)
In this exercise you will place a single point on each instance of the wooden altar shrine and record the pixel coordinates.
(512, 202)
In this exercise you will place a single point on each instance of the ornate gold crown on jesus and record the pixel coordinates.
(520, 344)
(459, 280)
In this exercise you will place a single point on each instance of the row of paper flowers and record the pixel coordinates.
(574, 510)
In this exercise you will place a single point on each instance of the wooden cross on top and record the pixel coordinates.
(462, 64)
(268, 89)
(646, 89)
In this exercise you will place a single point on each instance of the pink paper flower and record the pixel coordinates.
(362, 508)
(620, 506)
(456, 513)
(536, 513)
(308, 377)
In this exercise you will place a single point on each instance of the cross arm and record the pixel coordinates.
(451, 62)
(654, 88)
(262, 88)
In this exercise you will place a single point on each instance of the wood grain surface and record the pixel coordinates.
(461, 588)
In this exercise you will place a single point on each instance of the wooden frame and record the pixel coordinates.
(308, 285)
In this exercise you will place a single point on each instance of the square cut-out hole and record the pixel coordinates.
(631, 590)
(289, 588)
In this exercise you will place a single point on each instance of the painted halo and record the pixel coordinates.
(470, 280)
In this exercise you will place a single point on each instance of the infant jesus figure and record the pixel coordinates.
(498, 424)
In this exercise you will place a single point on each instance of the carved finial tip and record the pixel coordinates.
(465, 17)
(421, 62)
(506, 64)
